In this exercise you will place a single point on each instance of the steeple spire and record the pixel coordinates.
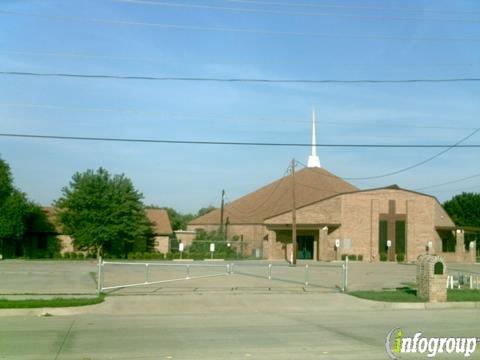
(314, 160)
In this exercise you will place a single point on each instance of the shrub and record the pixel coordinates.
(383, 257)
(147, 255)
(360, 257)
(344, 256)
(80, 256)
(73, 256)
(138, 256)
(131, 256)
(400, 257)
(157, 256)
(66, 255)
(352, 257)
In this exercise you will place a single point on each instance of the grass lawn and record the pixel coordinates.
(57, 302)
(406, 294)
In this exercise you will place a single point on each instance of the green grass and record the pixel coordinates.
(404, 294)
(56, 302)
(407, 294)
(463, 295)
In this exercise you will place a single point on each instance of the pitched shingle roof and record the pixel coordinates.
(311, 185)
(160, 220)
(158, 217)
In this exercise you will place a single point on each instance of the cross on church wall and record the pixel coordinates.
(392, 217)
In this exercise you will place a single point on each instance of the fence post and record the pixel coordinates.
(228, 269)
(269, 271)
(306, 275)
(346, 274)
(231, 268)
(146, 273)
(99, 276)
(188, 272)
(343, 277)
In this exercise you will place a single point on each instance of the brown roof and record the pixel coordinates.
(311, 185)
(160, 220)
(52, 218)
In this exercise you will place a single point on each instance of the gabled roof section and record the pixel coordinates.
(311, 185)
(158, 217)
(160, 221)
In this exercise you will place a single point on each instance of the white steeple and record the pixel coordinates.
(314, 160)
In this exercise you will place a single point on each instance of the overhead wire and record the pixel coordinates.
(456, 145)
(154, 60)
(232, 29)
(449, 182)
(261, 204)
(287, 12)
(233, 143)
(226, 118)
(235, 80)
(347, 7)
(413, 166)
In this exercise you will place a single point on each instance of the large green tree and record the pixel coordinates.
(20, 221)
(104, 214)
(464, 209)
(178, 220)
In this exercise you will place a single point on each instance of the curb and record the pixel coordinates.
(420, 306)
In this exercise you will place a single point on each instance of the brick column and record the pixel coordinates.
(460, 246)
(323, 246)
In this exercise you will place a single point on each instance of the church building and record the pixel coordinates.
(335, 218)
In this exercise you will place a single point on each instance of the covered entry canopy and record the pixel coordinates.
(311, 238)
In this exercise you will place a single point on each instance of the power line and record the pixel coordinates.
(236, 80)
(228, 118)
(152, 60)
(234, 30)
(87, 56)
(421, 162)
(269, 196)
(456, 145)
(458, 189)
(449, 182)
(240, 143)
(347, 7)
(286, 12)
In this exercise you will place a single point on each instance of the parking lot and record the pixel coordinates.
(215, 315)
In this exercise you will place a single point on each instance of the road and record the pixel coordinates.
(224, 326)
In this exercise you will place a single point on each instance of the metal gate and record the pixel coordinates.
(179, 272)
(242, 274)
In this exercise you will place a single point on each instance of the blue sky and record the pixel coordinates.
(188, 177)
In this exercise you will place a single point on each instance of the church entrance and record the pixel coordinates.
(305, 247)
(392, 226)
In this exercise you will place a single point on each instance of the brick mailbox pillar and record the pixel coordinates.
(431, 278)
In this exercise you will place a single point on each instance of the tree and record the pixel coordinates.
(178, 220)
(13, 213)
(6, 182)
(104, 214)
(205, 210)
(200, 247)
(464, 209)
(19, 220)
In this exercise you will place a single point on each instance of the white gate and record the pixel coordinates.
(179, 272)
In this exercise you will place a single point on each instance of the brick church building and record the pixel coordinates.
(335, 218)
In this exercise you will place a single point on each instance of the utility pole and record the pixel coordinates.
(294, 217)
(221, 215)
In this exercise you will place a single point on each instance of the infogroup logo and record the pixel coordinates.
(396, 343)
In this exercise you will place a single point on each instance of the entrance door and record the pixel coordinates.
(305, 247)
(394, 231)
